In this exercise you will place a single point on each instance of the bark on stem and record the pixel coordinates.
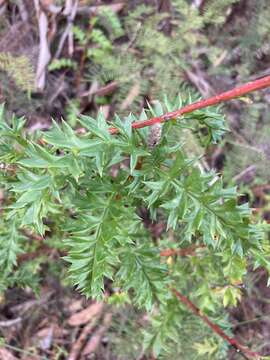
(231, 341)
(214, 100)
(191, 250)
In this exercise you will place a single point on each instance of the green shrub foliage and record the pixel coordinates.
(85, 192)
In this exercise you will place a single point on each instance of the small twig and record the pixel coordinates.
(61, 86)
(196, 311)
(259, 190)
(44, 50)
(71, 14)
(9, 323)
(250, 170)
(27, 306)
(182, 252)
(42, 250)
(198, 78)
(248, 354)
(52, 8)
(215, 100)
(23, 10)
(102, 91)
(3, 6)
(68, 7)
(97, 9)
(32, 235)
(243, 143)
(197, 4)
(132, 94)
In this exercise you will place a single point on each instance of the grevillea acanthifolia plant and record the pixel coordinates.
(84, 193)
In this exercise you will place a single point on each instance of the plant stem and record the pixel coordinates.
(231, 341)
(214, 100)
(181, 252)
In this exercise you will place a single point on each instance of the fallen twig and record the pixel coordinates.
(70, 11)
(44, 50)
(96, 9)
(132, 94)
(250, 171)
(199, 79)
(102, 91)
(9, 323)
(23, 10)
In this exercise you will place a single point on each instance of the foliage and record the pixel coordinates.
(88, 190)
(19, 69)
(65, 195)
(126, 335)
(136, 60)
(250, 150)
(58, 64)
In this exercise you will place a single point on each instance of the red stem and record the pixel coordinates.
(228, 95)
(231, 341)
(181, 252)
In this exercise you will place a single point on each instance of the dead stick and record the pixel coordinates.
(231, 341)
(215, 100)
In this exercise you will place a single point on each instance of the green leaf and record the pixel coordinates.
(10, 246)
(231, 296)
(141, 271)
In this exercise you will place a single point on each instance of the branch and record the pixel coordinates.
(182, 252)
(42, 250)
(248, 354)
(215, 100)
